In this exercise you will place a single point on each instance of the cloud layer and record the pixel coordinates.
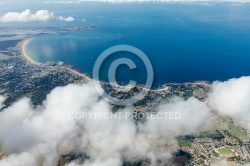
(39, 136)
(1, 101)
(232, 98)
(28, 16)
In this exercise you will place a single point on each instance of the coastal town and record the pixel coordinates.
(205, 148)
(19, 78)
(22, 77)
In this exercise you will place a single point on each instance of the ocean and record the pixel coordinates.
(184, 42)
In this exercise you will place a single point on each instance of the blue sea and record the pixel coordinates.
(184, 42)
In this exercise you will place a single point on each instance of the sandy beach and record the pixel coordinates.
(22, 47)
(78, 73)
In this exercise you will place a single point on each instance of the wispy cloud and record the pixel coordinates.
(39, 136)
(1, 101)
(28, 16)
(231, 98)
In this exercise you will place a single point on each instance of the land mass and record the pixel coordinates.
(20, 76)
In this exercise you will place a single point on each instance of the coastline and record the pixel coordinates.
(24, 54)
(78, 73)
(22, 45)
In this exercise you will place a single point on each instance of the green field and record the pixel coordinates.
(225, 151)
(184, 141)
(234, 131)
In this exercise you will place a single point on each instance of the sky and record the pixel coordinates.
(78, 1)
(51, 10)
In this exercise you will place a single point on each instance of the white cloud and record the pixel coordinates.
(68, 19)
(28, 16)
(221, 163)
(1, 101)
(192, 111)
(38, 136)
(232, 98)
(31, 135)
